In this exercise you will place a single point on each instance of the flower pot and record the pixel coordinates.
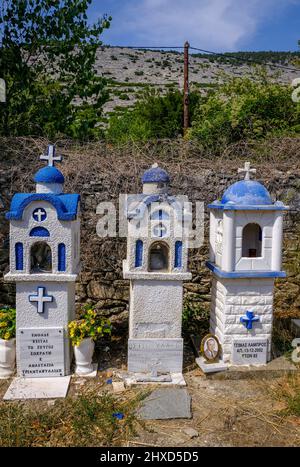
(83, 356)
(7, 358)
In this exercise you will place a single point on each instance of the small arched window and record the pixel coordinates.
(178, 254)
(40, 258)
(61, 266)
(39, 232)
(138, 253)
(19, 256)
(159, 257)
(252, 241)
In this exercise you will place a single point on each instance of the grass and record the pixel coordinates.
(287, 391)
(86, 420)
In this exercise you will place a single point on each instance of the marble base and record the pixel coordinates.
(37, 388)
(211, 367)
(160, 355)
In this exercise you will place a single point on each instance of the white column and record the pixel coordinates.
(228, 252)
(277, 241)
(212, 236)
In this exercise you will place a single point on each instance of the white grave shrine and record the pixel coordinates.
(44, 263)
(245, 238)
(156, 265)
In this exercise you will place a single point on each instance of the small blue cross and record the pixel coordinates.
(249, 319)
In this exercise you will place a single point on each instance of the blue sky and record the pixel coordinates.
(219, 25)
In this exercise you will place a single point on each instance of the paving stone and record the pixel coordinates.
(166, 403)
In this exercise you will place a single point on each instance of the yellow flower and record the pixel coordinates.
(7, 336)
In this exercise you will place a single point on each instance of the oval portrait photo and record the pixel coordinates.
(210, 348)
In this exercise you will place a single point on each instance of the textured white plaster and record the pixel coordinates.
(55, 188)
(239, 296)
(158, 305)
(57, 313)
(155, 311)
(60, 232)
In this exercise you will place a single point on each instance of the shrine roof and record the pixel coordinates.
(155, 175)
(66, 205)
(49, 175)
(247, 195)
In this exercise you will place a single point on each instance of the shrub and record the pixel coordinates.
(245, 108)
(153, 116)
(7, 323)
(89, 325)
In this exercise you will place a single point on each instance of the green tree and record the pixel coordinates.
(153, 116)
(244, 108)
(47, 54)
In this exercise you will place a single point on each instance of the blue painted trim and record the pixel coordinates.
(39, 232)
(240, 207)
(139, 247)
(247, 192)
(65, 205)
(155, 175)
(19, 256)
(178, 254)
(243, 274)
(49, 175)
(61, 257)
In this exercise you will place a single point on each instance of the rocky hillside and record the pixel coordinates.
(129, 71)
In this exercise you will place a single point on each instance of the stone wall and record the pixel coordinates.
(101, 172)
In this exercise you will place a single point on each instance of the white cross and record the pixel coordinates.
(247, 171)
(39, 213)
(40, 299)
(50, 156)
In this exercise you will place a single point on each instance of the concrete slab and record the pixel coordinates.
(275, 368)
(166, 403)
(37, 388)
(211, 367)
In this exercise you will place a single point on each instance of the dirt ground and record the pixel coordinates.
(242, 412)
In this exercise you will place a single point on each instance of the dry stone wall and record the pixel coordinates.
(101, 172)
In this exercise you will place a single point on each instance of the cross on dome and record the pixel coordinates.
(51, 156)
(247, 170)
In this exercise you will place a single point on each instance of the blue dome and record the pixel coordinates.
(49, 175)
(247, 193)
(155, 175)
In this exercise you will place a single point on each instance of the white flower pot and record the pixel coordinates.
(83, 356)
(7, 358)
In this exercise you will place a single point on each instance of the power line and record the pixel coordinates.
(228, 55)
(209, 52)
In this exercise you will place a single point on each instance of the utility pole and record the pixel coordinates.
(186, 116)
